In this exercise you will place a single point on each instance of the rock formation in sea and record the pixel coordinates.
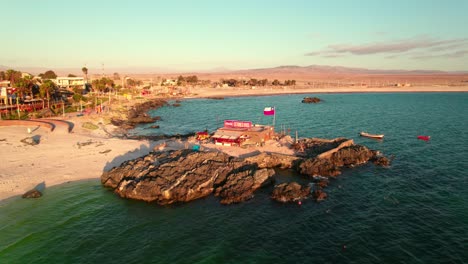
(34, 193)
(167, 177)
(290, 192)
(311, 100)
(138, 114)
(185, 175)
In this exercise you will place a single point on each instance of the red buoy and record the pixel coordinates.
(425, 138)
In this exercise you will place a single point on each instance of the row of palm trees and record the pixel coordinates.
(28, 85)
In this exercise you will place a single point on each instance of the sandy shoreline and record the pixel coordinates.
(62, 157)
(260, 91)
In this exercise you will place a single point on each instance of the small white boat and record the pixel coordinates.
(364, 134)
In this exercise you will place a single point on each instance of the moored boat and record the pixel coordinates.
(377, 136)
(425, 138)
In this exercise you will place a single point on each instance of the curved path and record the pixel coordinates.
(52, 124)
(28, 123)
(60, 124)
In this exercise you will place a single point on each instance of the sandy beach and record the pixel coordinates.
(62, 156)
(59, 156)
(229, 91)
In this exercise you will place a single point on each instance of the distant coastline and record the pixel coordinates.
(239, 92)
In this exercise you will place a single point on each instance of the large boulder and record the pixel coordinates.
(34, 193)
(185, 175)
(273, 160)
(240, 185)
(312, 147)
(311, 100)
(345, 157)
(138, 114)
(290, 192)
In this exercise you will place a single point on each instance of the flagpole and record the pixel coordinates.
(274, 115)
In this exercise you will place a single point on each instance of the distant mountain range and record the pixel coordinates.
(281, 70)
(324, 69)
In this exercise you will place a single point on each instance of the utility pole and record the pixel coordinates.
(17, 108)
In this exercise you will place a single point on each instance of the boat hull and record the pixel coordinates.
(363, 134)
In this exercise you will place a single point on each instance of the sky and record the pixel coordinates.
(235, 34)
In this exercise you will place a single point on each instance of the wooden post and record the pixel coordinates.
(17, 108)
(296, 137)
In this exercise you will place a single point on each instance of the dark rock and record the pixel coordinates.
(320, 181)
(117, 122)
(34, 193)
(309, 100)
(290, 192)
(381, 161)
(273, 160)
(154, 126)
(316, 167)
(345, 157)
(311, 147)
(176, 105)
(319, 195)
(138, 114)
(240, 185)
(34, 140)
(185, 175)
(141, 119)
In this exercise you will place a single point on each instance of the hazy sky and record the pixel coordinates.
(235, 34)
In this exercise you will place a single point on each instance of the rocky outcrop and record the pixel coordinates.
(319, 195)
(273, 160)
(240, 185)
(138, 114)
(311, 100)
(34, 193)
(328, 154)
(290, 192)
(185, 175)
(345, 157)
(312, 147)
(381, 161)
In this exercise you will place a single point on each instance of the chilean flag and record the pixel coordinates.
(269, 111)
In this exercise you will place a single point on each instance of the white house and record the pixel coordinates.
(70, 82)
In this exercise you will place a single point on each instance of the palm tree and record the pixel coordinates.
(45, 89)
(12, 76)
(24, 86)
(85, 72)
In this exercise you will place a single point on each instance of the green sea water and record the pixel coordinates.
(416, 211)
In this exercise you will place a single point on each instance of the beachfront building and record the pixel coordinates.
(241, 133)
(169, 82)
(70, 82)
(5, 89)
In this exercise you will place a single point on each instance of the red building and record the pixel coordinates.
(239, 133)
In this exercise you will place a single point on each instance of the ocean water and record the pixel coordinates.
(416, 211)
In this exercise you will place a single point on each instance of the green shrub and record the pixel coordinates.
(90, 126)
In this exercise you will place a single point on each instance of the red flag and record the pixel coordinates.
(269, 111)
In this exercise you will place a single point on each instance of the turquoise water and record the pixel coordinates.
(416, 211)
